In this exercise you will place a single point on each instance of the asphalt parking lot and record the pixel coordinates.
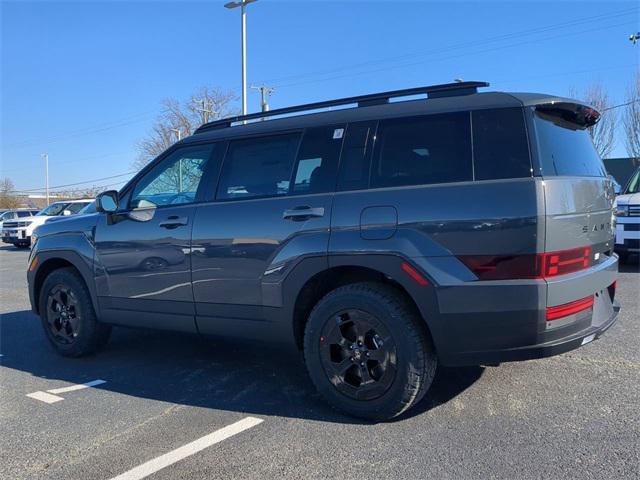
(212, 409)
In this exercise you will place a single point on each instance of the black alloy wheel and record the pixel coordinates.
(358, 354)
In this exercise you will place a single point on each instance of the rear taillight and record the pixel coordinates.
(565, 261)
(554, 313)
(542, 265)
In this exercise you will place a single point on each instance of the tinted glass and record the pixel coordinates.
(175, 180)
(634, 184)
(318, 160)
(53, 209)
(258, 167)
(565, 149)
(500, 147)
(75, 207)
(24, 214)
(355, 160)
(423, 150)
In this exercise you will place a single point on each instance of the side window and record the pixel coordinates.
(423, 150)
(258, 167)
(318, 160)
(24, 214)
(500, 146)
(355, 161)
(175, 180)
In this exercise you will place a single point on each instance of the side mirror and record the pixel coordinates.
(107, 202)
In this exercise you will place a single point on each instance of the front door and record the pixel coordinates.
(273, 205)
(143, 252)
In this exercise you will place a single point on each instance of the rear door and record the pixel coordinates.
(272, 206)
(143, 252)
(578, 200)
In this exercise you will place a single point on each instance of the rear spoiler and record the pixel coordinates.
(577, 114)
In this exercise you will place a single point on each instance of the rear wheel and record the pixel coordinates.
(68, 317)
(368, 352)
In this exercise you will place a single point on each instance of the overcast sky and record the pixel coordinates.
(83, 81)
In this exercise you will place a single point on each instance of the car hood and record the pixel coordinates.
(71, 223)
(629, 199)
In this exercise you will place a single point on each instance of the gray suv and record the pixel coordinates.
(381, 239)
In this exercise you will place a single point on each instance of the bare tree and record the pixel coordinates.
(603, 132)
(207, 104)
(631, 118)
(8, 198)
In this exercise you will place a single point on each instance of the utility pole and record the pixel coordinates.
(205, 110)
(264, 93)
(45, 156)
(178, 133)
(243, 24)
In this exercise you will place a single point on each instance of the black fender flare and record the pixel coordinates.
(388, 264)
(83, 265)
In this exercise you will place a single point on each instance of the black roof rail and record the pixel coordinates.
(432, 91)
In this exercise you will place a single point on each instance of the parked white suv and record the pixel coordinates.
(19, 232)
(628, 219)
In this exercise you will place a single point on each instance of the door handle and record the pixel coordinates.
(174, 221)
(298, 214)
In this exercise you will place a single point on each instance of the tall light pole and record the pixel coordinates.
(243, 6)
(45, 156)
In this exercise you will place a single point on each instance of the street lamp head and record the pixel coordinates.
(238, 4)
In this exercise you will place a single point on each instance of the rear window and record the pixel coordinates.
(423, 150)
(565, 149)
(500, 146)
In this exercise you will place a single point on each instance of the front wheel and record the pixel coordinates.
(68, 317)
(368, 352)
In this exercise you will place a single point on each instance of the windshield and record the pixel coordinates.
(91, 208)
(6, 216)
(634, 184)
(59, 208)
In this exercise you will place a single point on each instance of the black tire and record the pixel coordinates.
(68, 317)
(410, 358)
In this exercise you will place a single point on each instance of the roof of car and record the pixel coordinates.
(394, 109)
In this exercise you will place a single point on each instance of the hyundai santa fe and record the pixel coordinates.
(381, 239)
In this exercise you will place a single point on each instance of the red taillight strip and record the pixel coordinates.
(541, 265)
(413, 273)
(567, 309)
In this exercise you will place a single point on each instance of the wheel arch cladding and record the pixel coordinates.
(53, 262)
(348, 269)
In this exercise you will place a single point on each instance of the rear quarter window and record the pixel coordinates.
(500, 145)
(565, 149)
(423, 150)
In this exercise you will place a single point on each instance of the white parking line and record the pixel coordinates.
(189, 449)
(73, 388)
(47, 396)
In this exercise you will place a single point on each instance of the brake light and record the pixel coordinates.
(542, 265)
(565, 261)
(553, 313)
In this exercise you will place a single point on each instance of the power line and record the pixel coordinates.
(461, 45)
(621, 105)
(76, 184)
(404, 65)
(86, 131)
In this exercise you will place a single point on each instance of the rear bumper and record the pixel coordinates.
(542, 350)
(493, 322)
